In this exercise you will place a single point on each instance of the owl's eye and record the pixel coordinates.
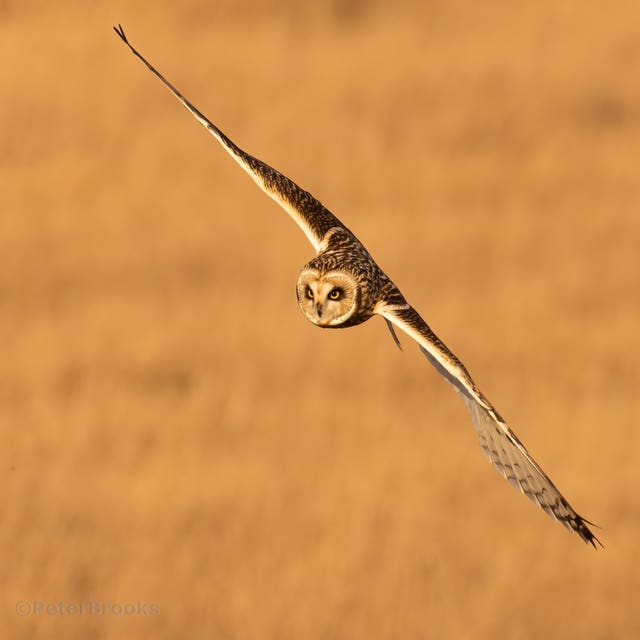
(335, 294)
(309, 293)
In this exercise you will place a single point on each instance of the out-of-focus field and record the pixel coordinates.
(175, 434)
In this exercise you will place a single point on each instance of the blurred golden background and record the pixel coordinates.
(175, 434)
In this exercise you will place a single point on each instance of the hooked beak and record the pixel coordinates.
(319, 310)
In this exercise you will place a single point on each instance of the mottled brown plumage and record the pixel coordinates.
(342, 286)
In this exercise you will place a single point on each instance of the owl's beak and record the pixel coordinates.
(319, 310)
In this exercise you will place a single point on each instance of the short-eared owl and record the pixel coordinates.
(342, 286)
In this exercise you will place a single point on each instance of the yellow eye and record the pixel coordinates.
(309, 293)
(335, 294)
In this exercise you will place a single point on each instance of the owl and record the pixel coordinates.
(342, 286)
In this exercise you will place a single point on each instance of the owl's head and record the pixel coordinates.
(328, 299)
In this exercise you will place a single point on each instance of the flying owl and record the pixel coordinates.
(342, 286)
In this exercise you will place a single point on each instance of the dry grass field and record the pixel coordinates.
(182, 454)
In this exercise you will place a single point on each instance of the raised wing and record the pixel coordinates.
(310, 215)
(498, 443)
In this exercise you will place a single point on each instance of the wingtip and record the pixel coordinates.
(586, 534)
(120, 31)
(595, 542)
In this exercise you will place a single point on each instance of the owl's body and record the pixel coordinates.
(346, 270)
(342, 286)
